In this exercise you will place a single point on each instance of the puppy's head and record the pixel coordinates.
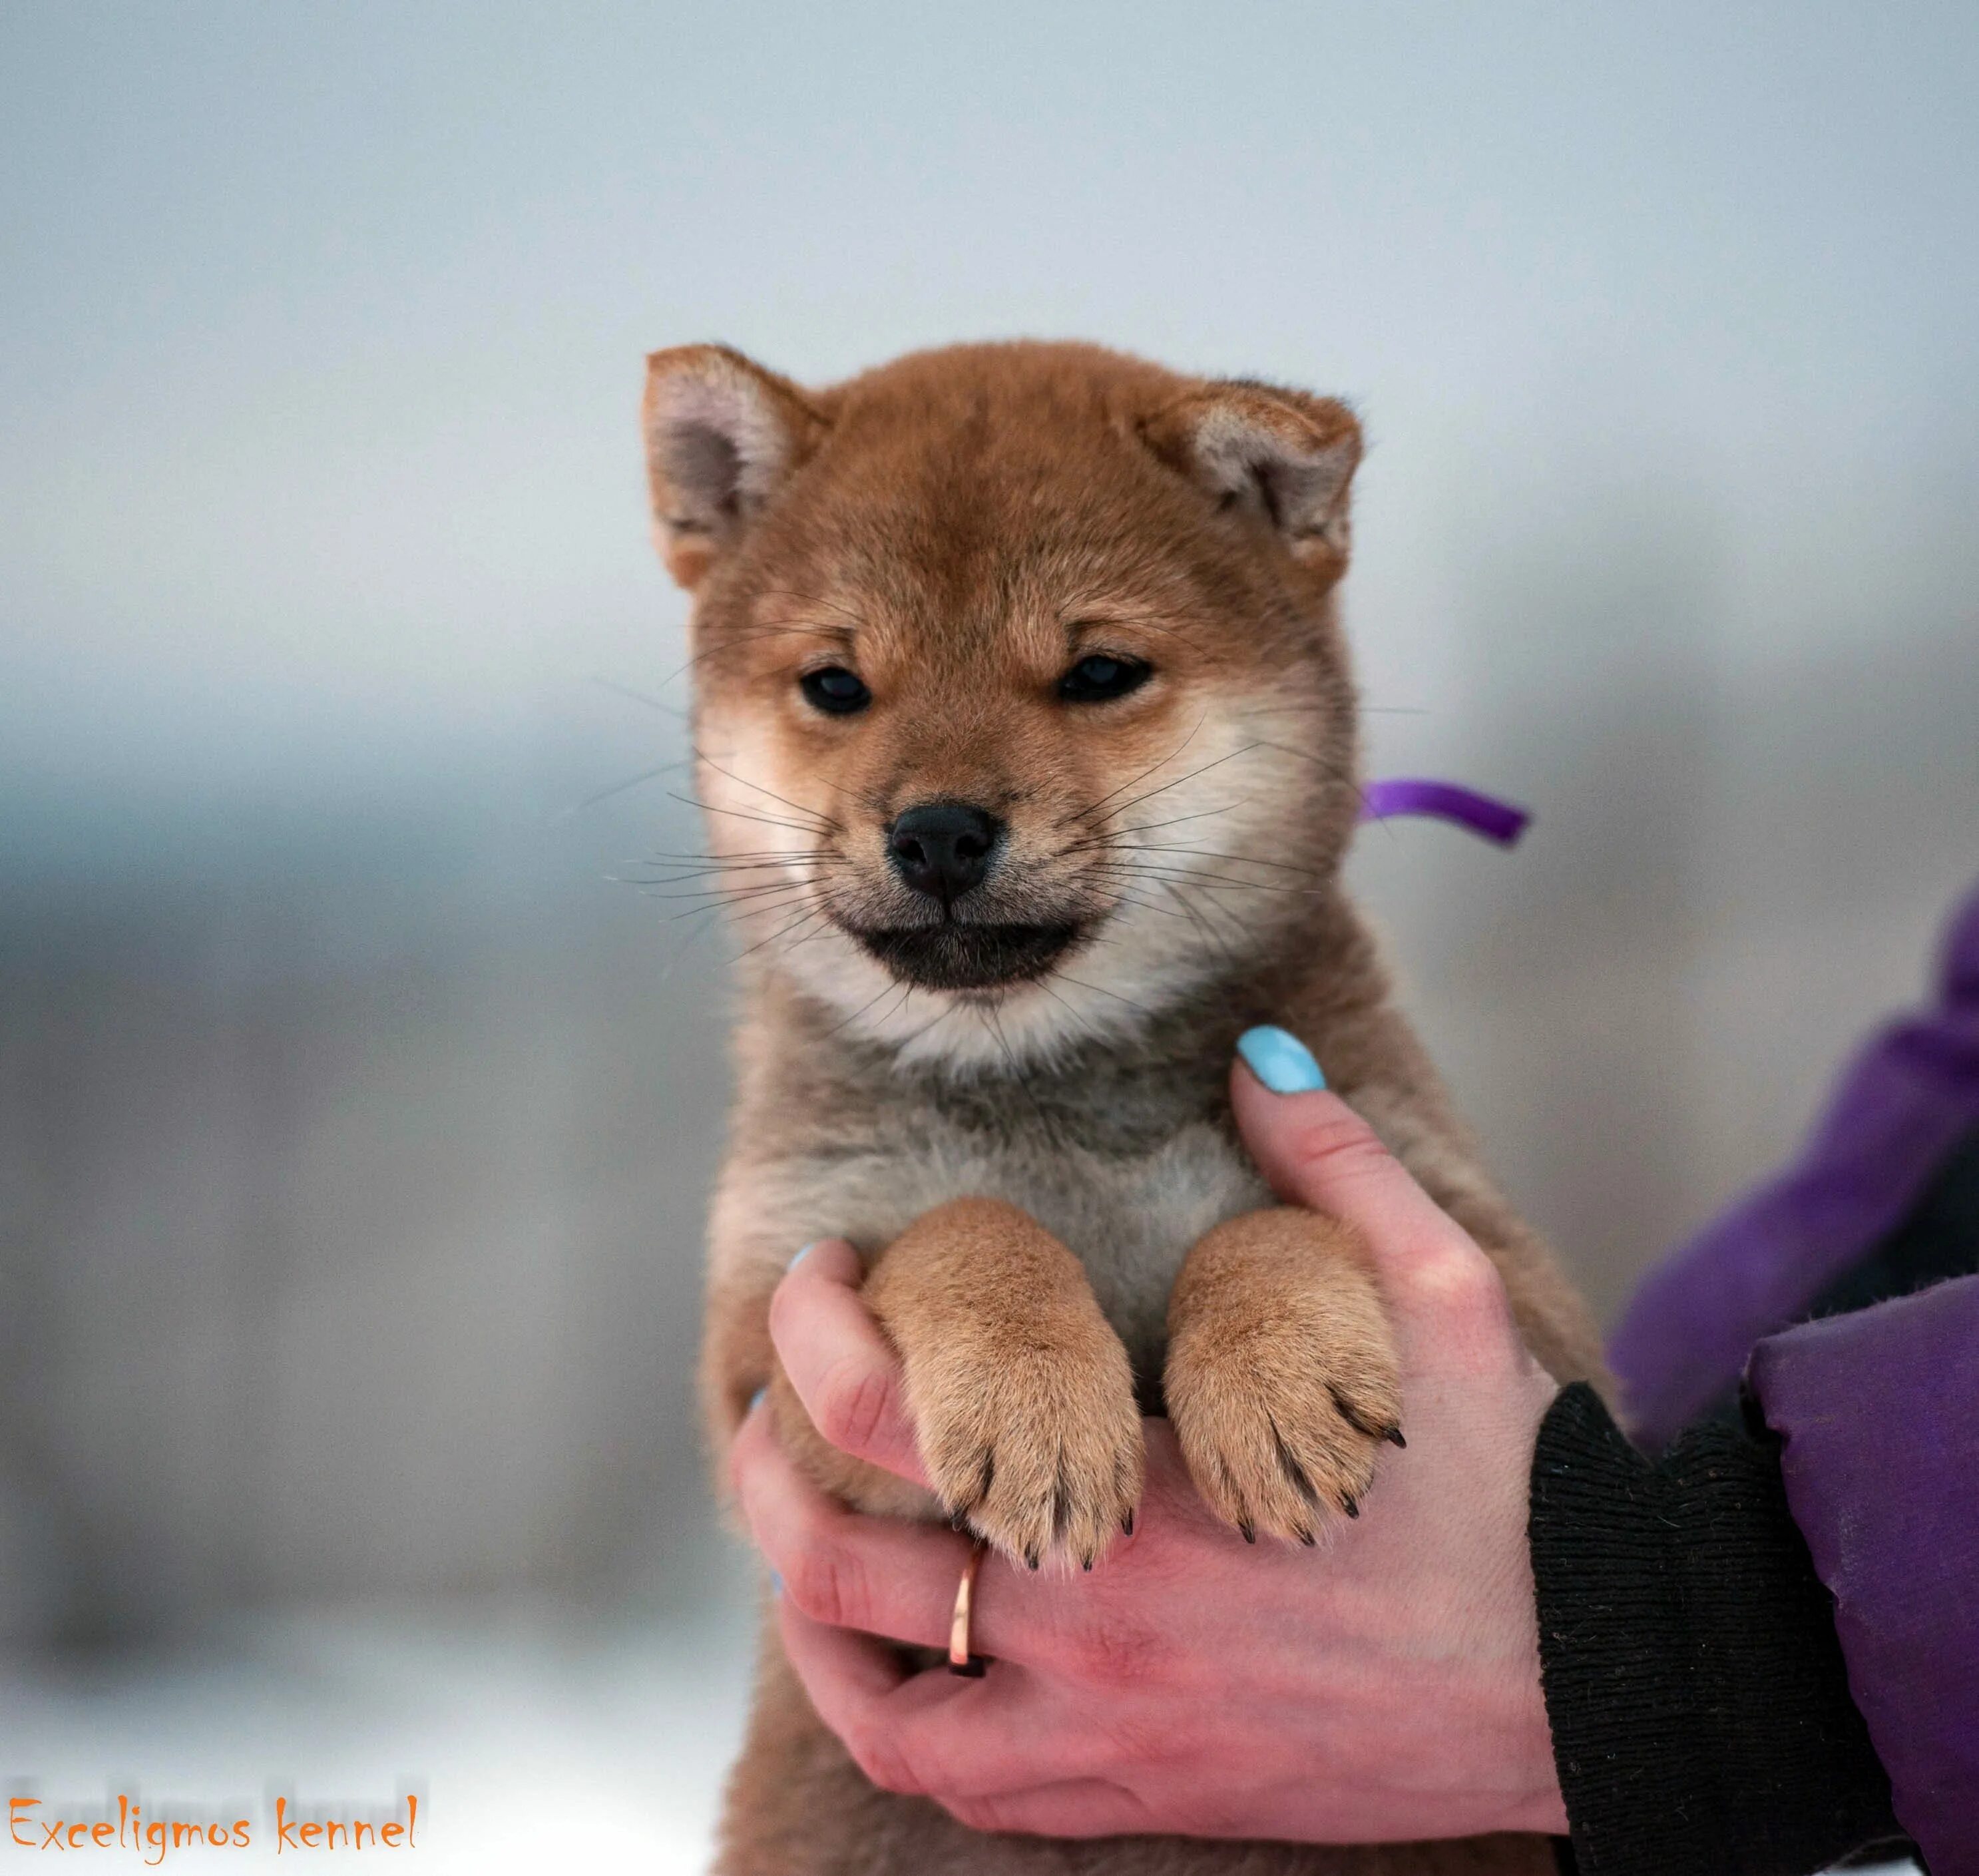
(1021, 710)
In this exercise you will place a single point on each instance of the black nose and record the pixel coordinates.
(943, 849)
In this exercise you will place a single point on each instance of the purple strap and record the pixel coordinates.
(1482, 814)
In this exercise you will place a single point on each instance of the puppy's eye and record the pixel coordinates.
(834, 689)
(1100, 678)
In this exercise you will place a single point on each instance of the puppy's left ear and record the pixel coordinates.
(722, 434)
(1285, 456)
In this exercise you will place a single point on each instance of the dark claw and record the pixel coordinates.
(1249, 1532)
(1349, 1504)
(1086, 1563)
(1308, 1539)
(1031, 1558)
(958, 1519)
(1359, 1423)
(1289, 1465)
(1127, 1525)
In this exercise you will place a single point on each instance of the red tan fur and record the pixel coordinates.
(1011, 1097)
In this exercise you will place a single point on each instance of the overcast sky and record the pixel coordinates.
(320, 326)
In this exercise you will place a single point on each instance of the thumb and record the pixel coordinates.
(839, 1360)
(1449, 1304)
(1315, 1151)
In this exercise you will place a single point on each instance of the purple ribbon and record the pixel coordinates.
(1483, 815)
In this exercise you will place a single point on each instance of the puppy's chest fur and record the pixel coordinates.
(1128, 1177)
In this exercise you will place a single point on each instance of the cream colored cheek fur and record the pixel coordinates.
(761, 831)
(1190, 897)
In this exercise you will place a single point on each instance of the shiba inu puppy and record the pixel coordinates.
(1026, 735)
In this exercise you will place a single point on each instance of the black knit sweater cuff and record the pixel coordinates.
(1701, 1717)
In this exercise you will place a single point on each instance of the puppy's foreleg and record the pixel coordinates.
(1281, 1379)
(1021, 1396)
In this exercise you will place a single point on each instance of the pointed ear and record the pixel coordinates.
(1285, 456)
(721, 434)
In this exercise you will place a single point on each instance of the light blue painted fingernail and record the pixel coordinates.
(1280, 1060)
(804, 1252)
(776, 1584)
(755, 1400)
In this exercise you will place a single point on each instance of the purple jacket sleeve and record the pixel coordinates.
(1908, 1099)
(1879, 1412)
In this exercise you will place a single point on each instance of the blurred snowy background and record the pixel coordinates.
(355, 1127)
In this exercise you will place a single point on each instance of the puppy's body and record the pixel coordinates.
(1080, 610)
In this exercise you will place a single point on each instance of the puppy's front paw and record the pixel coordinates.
(1036, 1448)
(1021, 1396)
(1281, 1379)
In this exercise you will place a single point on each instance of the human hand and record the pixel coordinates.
(1385, 1687)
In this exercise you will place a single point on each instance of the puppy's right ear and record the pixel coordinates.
(721, 434)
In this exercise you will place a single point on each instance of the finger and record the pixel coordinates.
(1314, 1150)
(1449, 1301)
(847, 1674)
(929, 1734)
(842, 1366)
(884, 1577)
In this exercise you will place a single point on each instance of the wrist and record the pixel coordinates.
(1527, 1731)
(1542, 1811)
(1542, 1808)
